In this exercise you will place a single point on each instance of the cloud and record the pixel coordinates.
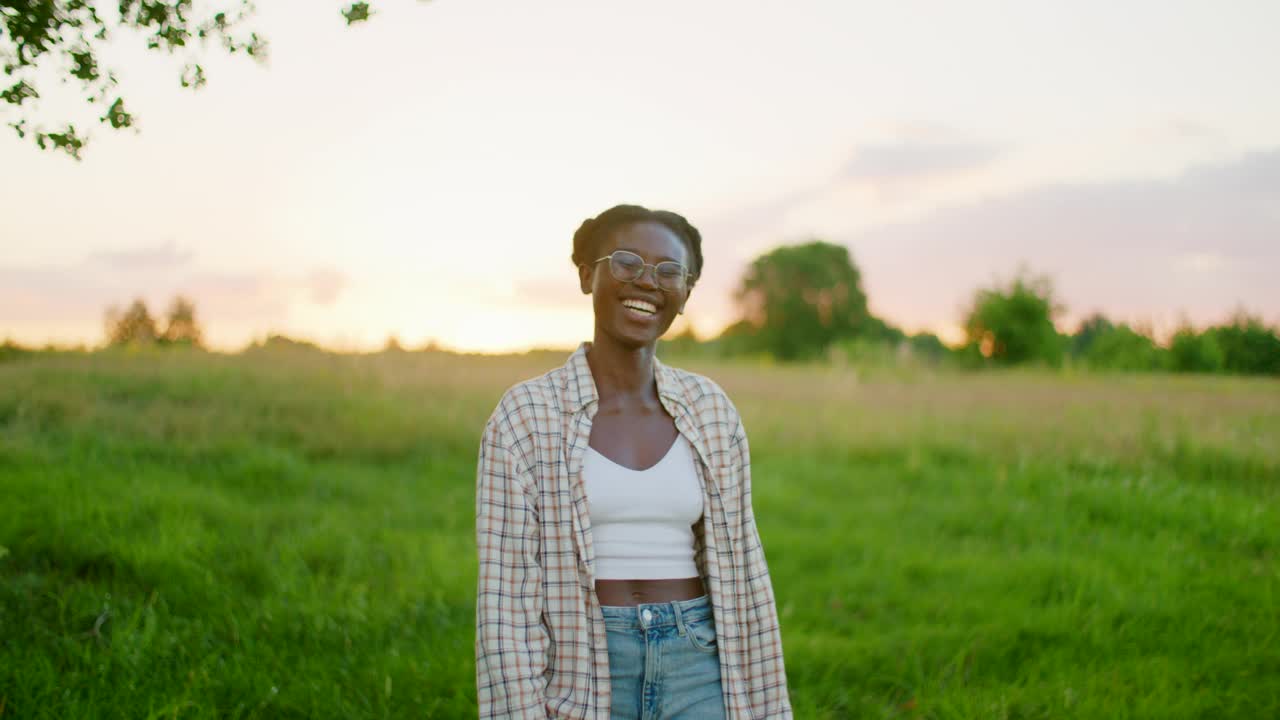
(324, 285)
(1202, 262)
(906, 169)
(915, 160)
(759, 219)
(163, 256)
(1202, 243)
(70, 299)
(1188, 128)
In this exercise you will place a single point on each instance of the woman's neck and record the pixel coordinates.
(621, 372)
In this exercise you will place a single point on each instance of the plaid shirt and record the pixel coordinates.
(541, 650)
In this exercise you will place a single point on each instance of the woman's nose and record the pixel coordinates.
(646, 273)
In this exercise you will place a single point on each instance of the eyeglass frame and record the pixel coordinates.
(689, 276)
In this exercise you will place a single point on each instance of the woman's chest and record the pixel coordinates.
(633, 438)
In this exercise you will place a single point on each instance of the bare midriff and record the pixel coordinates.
(637, 592)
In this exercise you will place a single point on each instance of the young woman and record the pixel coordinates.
(621, 573)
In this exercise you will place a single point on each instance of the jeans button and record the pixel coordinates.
(646, 615)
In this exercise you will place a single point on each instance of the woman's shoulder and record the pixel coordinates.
(527, 404)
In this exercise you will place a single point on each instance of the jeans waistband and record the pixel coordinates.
(654, 615)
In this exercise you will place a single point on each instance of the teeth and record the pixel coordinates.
(641, 305)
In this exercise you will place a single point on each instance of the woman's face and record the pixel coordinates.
(635, 327)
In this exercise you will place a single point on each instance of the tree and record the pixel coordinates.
(928, 346)
(181, 327)
(275, 342)
(798, 299)
(1091, 328)
(1248, 346)
(735, 340)
(1190, 351)
(10, 350)
(65, 36)
(877, 330)
(684, 342)
(1120, 347)
(1014, 324)
(131, 327)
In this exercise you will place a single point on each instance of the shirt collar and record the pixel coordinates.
(580, 386)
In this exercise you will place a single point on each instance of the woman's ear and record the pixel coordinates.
(584, 278)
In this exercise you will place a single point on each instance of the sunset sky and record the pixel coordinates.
(421, 175)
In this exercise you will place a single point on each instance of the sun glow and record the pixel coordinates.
(514, 329)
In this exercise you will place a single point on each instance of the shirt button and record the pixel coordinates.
(646, 615)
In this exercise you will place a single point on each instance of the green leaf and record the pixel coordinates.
(357, 12)
(67, 141)
(117, 115)
(19, 93)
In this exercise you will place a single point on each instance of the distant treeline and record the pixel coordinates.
(806, 303)
(1242, 345)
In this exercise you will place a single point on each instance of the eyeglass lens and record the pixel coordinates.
(628, 267)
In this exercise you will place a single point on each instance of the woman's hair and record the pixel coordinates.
(593, 230)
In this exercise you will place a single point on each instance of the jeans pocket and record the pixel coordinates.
(702, 635)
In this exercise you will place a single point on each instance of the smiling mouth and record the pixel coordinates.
(641, 308)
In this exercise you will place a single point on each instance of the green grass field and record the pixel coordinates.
(289, 535)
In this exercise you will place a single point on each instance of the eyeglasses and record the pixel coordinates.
(626, 266)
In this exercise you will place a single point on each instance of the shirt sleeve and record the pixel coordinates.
(511, 639)
(766, 675)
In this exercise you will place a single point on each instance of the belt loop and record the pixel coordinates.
(675, 609)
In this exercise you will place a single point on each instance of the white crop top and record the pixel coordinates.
(642, 520)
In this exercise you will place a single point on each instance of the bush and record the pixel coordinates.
(1190, 351)
(275, 343)
(865, 352)
(1091, 328)
(1248, 346)
(9, 350)
(1120, 347)
(927, 346)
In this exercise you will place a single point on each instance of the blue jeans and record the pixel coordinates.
(663, 661)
